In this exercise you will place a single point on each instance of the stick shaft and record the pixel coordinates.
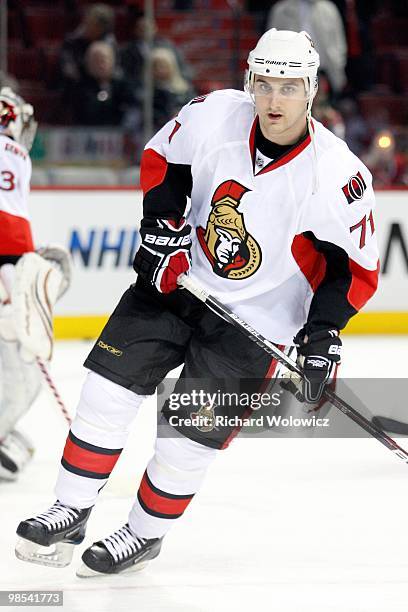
(54, 390)
(223, 311)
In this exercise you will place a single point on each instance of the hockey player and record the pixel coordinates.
(280, 228)
(29, 284)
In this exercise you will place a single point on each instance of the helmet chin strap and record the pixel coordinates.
(312, 93)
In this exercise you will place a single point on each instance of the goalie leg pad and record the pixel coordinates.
(20, 385)
(16, 451)
(7, 331)
(37, 285)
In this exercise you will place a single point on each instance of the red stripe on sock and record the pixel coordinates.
(89, 460)
(159, 503)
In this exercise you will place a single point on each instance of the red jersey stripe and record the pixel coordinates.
(15, 235)
(310, 261)
(153, 170)
(363, 284)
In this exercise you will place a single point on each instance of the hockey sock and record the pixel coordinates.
(95, 441)
(172, 477)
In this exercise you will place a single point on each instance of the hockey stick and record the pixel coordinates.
(54, 390)
(392, 425)
(223, 311)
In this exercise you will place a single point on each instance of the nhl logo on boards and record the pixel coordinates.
(355, 188)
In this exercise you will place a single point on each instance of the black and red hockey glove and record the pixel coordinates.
(318, 355)
(164, 252)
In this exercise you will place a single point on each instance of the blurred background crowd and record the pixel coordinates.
(103, 76)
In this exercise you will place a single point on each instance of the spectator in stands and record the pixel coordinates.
(322, 20)
(135, 52)
(324, 112)
(171, 89)
(385, 161)
(357, 133)
(100, 97)
(97, 25)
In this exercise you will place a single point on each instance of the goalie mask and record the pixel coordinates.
(17, 118)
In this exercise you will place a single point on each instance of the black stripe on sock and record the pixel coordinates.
(92, 448)
(79, 472)
(163, 493)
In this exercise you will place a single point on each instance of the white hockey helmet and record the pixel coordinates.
(284, 54)
(17, 118)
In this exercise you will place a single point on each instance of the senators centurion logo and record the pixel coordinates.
(231, 250)
(355, 188)
(205, 418)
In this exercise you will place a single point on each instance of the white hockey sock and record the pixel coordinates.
(96, 439)
(172, 477)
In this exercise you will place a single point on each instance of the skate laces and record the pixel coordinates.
(123, 543)
(58, 516)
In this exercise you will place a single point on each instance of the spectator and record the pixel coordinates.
(387, 164)
(97, 25)
(324, 112)
(135, 52)
(356, 128)
(171, 90)
(322, 20)
(100, 97)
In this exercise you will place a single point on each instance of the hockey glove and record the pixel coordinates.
(164, 253)
(318, 355)
(60, 259)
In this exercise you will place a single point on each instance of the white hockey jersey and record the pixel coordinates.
(15, 175)
(278, 252)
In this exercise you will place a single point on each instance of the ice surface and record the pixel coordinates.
(285, 525)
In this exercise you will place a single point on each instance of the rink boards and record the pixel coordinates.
(100, 227)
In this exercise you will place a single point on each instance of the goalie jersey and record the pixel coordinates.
(15, 175)
(286, 241)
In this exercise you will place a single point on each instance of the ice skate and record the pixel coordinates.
(122, 552)
(49, 538)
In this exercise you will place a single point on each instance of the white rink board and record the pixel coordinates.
(101, 227)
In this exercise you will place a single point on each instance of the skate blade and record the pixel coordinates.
(86, 572)
(56, 555)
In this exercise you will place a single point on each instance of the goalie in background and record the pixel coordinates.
(30, 283)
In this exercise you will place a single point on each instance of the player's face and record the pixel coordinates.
(281, 107)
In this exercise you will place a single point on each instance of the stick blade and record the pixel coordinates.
(391, 425)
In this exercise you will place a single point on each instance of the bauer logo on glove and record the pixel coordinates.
(164, 253)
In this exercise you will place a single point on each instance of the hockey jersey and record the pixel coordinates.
(15, 175)
(284, 242)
